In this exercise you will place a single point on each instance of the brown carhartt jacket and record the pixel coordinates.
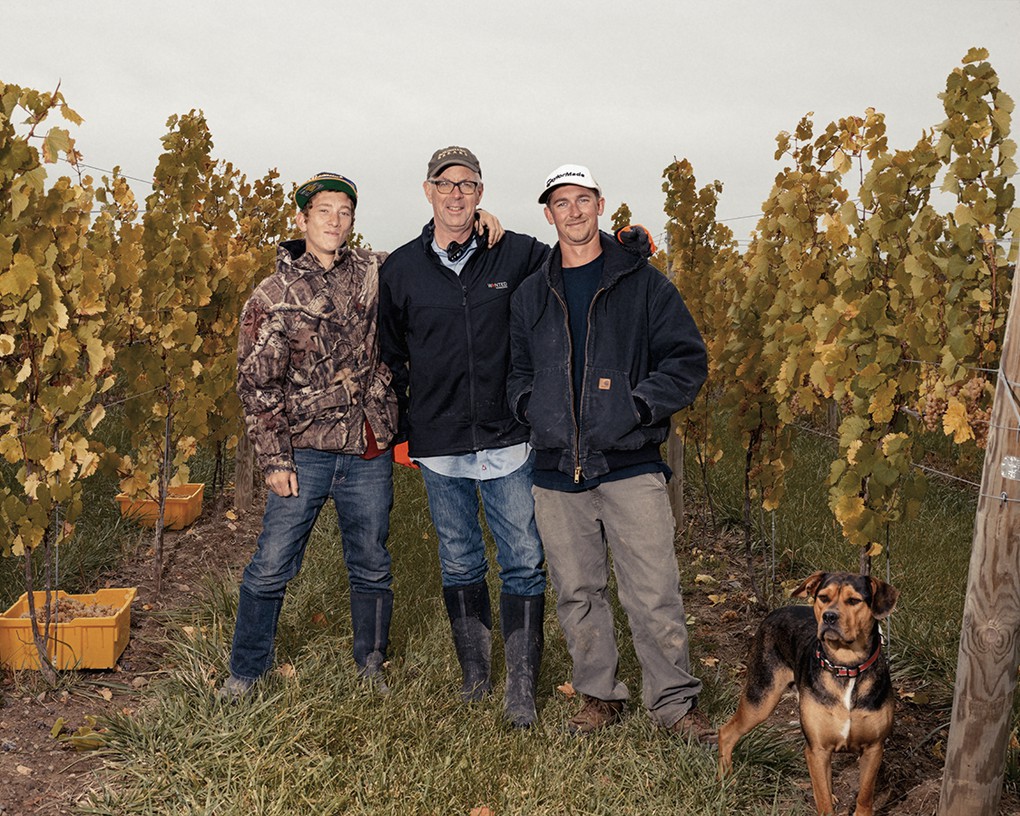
(308, 367)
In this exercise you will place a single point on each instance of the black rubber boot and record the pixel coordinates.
(521, 618)
(370, 619)
(471, 621)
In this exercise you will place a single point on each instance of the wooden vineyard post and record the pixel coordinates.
(675, 461)
(986, 671)
(244, 474)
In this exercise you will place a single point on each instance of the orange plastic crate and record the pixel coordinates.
(81, 643)
(183, 506)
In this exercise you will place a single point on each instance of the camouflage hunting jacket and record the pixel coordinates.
(308, 367)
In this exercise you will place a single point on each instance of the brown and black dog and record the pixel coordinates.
(831, 653)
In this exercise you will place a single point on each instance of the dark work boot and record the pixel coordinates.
(521, 618)
(370, 618)
(471, 622)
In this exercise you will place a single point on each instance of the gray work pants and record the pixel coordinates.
(630, 518)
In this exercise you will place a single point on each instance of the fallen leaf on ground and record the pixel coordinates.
(566, 689)
(286, 670)
(58, 726)
(106, 694)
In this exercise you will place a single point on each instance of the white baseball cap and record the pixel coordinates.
(569, 174)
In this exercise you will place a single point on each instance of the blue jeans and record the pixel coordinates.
(362, 491)
(510, 514)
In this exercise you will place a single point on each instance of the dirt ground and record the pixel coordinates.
(43, 775)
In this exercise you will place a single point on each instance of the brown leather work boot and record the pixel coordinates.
(595, 714)
(694, 724)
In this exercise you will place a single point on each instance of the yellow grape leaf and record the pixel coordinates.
(54, 462)
(20, 277)
(32, 485)
(849, 508)
(841, 161)
(955, 422)
(705, 579)
(717, 599)
(819, 377)
(893, 443)
(851, 452)
(97, 354)
(873, 550)
(25, 371)
(6, 345)
(95, 418)
(57, 141)
(881, 407)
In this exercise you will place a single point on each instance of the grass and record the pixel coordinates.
(926, 558)
(320, 742)
(317, 741)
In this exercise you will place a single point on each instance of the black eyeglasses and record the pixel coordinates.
(445, 186)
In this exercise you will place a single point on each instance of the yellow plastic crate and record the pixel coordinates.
(81, 643)
(183, 506)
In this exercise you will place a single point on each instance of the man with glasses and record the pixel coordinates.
(444, 330)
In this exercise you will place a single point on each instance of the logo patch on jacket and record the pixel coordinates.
(497, 285)
(605, 383)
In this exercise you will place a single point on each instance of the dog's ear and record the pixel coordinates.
(809, 586)
(883, 598)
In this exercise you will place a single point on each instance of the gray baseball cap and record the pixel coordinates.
(447, 156)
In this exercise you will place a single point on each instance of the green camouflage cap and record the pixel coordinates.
(325, 181)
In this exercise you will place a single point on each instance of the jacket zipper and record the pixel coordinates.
(471, 360)
(570, 384)
(472, 261)
(570, 373)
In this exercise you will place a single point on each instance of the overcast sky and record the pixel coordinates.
(370, 89)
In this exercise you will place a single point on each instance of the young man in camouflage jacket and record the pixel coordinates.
(321, 414)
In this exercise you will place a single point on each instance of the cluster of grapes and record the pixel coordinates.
(65, 609)
(932, 410)
(975, 394)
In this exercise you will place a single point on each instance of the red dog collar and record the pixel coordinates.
(846, 671)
